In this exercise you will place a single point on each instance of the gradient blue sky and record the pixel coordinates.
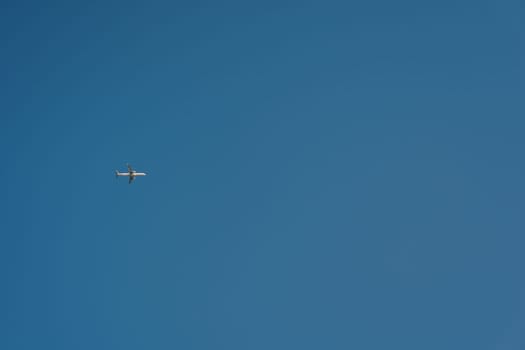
(321, 175)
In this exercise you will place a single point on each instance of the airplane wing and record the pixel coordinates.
(131, 178)
(129, 168)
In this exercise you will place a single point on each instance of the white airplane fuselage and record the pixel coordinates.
(132, 174)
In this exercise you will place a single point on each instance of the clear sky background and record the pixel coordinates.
(321, 175)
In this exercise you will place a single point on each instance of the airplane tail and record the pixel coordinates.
(116, 174)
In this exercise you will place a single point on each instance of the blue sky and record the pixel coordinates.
(321, 175)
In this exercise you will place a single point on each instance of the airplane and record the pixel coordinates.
(131, 173)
